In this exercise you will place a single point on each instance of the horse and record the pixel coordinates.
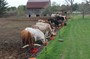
(45, 27)
(30, 36)
(57, 21)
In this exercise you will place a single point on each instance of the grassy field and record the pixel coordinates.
(76, 45)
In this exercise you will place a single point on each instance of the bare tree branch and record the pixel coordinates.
(71, 3)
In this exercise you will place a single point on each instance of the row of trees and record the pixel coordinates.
(20, 10)
(81, 8)
(6, 10)
(84, 7)
(70, 7)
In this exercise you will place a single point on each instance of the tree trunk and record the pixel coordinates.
(83, 14)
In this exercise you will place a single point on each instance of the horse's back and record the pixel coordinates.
(42, 26)
(35, 32)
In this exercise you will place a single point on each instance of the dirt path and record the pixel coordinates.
(10, 41)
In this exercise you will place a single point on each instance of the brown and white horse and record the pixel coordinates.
(27, 38)
(31, 35)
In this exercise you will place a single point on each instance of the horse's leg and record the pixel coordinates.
(23, 42)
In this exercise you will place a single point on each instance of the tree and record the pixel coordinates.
(51, 9)
(47, 10)
(21, 10)
(11, 11)
(84, 7)
(75, 7)
(70, 2)
(87, 6)
(11, 8)
(3, 7)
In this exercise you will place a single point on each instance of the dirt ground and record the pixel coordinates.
(10, 40)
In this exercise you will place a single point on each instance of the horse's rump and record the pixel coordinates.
(42, 26)
(27, 38)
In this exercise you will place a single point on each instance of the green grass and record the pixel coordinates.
(76, 45)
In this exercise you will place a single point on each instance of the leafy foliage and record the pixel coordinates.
(51, 9)
(75, 7)
(21, 10)
(3, 7)
(11, 8)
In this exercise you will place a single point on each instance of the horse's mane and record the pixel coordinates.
(27, 38)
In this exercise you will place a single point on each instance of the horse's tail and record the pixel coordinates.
(27, 38)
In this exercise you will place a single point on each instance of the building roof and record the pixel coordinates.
(37, 4)
(38, 0)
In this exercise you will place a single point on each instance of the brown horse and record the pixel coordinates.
(27, 38)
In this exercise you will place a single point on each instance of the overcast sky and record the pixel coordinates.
(23, 2)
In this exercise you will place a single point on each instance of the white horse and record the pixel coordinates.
(45, 27)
